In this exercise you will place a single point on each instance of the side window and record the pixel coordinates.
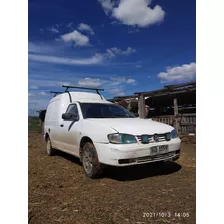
(72, 109)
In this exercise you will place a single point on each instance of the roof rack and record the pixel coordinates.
(55, 93)
(79, 87)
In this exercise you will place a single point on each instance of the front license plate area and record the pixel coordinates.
(157, 150)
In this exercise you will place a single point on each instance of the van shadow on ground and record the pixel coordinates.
(131, 173)
(143, 171)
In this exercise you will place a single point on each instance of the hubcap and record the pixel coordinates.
(87, 161)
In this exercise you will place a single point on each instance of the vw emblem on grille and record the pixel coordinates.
(156, 138)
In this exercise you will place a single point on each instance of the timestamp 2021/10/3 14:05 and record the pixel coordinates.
(166, 214)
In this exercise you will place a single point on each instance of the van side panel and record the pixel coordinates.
(51, 125)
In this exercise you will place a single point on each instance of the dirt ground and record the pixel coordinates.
(59, 191)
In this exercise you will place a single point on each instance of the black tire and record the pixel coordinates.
(50, 150)
(95, 169)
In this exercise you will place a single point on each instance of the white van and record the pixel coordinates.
(99, 132)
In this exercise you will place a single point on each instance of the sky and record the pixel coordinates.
(123, 46)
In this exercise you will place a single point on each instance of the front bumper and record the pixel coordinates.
(133, 154)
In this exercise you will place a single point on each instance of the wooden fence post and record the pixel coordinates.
(176, 119)
(141, 106)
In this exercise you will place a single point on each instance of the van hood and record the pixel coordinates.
(133, 126)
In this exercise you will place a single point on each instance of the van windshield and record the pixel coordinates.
(100, 110)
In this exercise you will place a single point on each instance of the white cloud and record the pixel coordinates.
(179, 73)
(54, 30)
(48, 52)
(44, 83)
(133, 31)
(112, 52)
(89, 82)
(64, 83)
(129, 51)
(31, 94)
(96, 59)
(115, 22)
(38, 104)
(43, 94)
(51, 84)
(76, 37)
(33, 87)
(109, 53)
(69, 25)
(134, 12)
(107, 5)
(85, 27)
(38, 48)
(122, 80)
(119, 79)
(113, 87)
(131, 81)
(44, 48)
(117, 92)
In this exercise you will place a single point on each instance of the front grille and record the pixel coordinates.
(165, 156)
(157, 157)
(162, 138)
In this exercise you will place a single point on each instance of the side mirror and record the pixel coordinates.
(66, 116)
(70, 117)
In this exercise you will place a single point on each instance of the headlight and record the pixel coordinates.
(121, 138)
(174, 134)
(168, 136)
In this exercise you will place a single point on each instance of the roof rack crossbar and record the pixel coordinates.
(79, 87)
(55, 93)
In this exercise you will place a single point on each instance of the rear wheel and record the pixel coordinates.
(90, 162)
(50, 150)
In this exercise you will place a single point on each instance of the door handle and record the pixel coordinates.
(62, 125)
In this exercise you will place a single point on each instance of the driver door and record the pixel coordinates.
(70, 131)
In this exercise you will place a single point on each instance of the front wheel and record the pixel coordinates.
(50, 150)
(90, 162)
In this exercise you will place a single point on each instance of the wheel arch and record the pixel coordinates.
(83, 141)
